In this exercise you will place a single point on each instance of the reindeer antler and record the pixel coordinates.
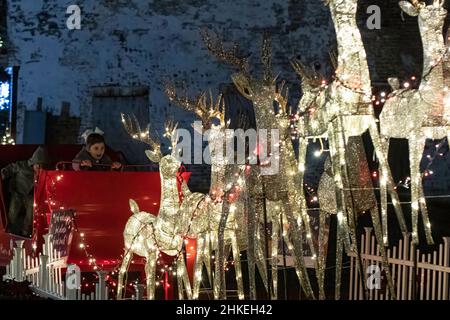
(183, 101)
(242, 121)
(203, 106)
(208, 108)
(419, 4)
(170, 131)
(281, 96)
(131, 125)
(231, 56)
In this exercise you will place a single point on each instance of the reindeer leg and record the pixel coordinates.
(219, 278)
(340, 229)
(299, 197)
(180, 286)
(416, 146)
(425, 216)
(299, 262)
(198, 266)
(381, 150)
(123, 269)
(337, 153)
(322, 257)
(275, 240)
(237, 266)
(261, 259)
(207, 257)
(339, 251)
(383, 199)
(183, 279)
(378, 234)
(253, 199)
(295, 245)
(150, 274)
(347, 225)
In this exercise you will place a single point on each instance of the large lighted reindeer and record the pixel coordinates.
(423, 113)
(282, 191)
(147, 235)
(359, 194)
(225, 197)
(340, 110)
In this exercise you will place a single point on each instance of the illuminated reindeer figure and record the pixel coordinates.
(282, 190)
(338, 111)
(311, 125)
(145, 234)
(223, 208)
(423, 113)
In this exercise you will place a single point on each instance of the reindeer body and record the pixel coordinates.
(422, 113)
(146, 235)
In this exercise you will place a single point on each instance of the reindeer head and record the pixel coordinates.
(431, 16)
(259, 89)
(170, 163)
(311, 86)
(209, 110)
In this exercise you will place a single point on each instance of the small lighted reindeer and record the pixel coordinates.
(146, 235)
(423, 113)
(218, 216)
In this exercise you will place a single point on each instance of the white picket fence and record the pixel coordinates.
(46, 273)
(415, 275)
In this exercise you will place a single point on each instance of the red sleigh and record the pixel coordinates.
(99, 200)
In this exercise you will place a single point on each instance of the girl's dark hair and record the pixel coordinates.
(94, 138)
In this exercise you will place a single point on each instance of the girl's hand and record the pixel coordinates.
(86, 163)
(116, 165)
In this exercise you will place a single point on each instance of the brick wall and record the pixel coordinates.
(140, 43)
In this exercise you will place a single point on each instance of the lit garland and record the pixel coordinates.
(424, 112)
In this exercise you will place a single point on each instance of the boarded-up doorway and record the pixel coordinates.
(108, 103)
